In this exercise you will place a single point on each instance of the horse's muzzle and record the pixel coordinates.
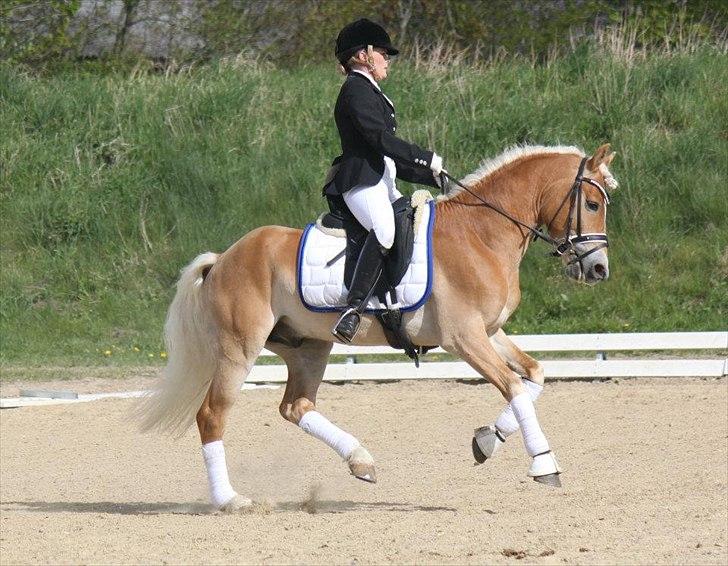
(598, 272)
(591, 270)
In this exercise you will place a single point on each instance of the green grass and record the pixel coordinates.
(111, 182)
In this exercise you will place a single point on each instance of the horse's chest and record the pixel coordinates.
(501, 320)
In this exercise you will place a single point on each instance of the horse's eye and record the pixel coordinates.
(591, 205)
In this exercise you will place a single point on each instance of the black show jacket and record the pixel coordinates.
(366, 124)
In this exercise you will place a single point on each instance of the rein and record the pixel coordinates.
(568, 243)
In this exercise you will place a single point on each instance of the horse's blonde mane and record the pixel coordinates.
(514, 153)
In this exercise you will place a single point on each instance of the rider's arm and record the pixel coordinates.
(415, 174)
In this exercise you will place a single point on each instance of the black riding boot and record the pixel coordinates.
(368, 269)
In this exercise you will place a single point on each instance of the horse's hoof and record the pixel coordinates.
(545, 469)
(551, 480)
(486, 441)
(369, 475)
(235, 504)
(478, 453)
(361, 465)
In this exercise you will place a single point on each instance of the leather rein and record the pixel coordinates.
(566, 245)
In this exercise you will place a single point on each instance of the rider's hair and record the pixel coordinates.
(345, 68)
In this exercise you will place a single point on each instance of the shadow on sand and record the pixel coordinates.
(149, 508)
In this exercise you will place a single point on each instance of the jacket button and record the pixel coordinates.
(392, 114)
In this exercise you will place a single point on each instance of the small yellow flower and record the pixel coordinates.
(163, 355)
(136, 349)
(151, 355)
(107, 352)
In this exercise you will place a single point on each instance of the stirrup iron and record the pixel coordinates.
(338, 333)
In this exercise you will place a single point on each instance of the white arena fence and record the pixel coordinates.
(655, 364)
(705, 346)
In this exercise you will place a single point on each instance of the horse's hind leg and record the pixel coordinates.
(233, 366)
(488, 439)
(306, 364)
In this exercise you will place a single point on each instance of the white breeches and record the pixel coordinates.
(372, 206)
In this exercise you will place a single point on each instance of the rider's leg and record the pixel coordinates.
(368, 270)
(372, 208)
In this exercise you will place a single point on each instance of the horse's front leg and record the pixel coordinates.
(488, 439)
(306, 364)
(483, 357)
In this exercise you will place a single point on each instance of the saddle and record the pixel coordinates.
(396, 264)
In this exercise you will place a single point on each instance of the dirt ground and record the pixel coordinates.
(646, 481)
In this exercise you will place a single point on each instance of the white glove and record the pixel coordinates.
(436, 164)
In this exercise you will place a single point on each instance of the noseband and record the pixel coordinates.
(567, 244)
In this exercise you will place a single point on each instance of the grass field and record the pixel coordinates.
(110, 182)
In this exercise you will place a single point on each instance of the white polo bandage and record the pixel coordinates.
(318, 426)
(533, 437)
(506, 422)
(217, 475)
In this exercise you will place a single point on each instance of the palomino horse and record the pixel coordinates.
(228, 307)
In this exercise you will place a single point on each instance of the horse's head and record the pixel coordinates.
(578, 219)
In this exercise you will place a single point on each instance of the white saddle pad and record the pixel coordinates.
(322, 288)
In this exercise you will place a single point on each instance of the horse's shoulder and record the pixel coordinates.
(473, 268)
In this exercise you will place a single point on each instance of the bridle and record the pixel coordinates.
(567, 244)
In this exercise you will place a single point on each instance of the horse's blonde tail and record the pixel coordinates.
(191, 341)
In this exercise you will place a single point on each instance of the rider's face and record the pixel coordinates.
(380, 62)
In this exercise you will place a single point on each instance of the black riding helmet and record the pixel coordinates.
(358, 35)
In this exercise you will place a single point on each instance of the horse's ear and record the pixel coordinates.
(600, 156)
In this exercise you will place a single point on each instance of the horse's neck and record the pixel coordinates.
(515, 190)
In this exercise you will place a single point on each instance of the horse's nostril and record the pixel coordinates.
(600, 270)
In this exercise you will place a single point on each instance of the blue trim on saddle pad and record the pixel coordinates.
(414, 307)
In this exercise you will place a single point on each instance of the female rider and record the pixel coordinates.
(362, 178)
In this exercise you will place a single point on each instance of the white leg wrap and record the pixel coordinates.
(318, 426)
(221, 492)
(533, 436)
(506, 422)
